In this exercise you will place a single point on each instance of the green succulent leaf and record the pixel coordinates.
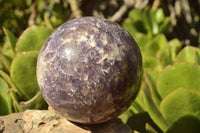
(179, 75)
(23, 73)
(158, 42)
(197, 58)
(32, 39)
(153, 19)
(153, 47)
(12, 39)
(166, 61)
(7, 78)
(138, 104)
(15, 100)
(163, 53)
(9, 53)
(128, 25)
(47, 22)
(135, 15)
(126, 115)
(153, 109)
(154, 75)
(181, 102)
(6, 61)
(150, 129)
(175, 46)
(37, 102)
(164, 57)
(189, 54)
(148, 22)
(159, 15)
(1, 65)
(152, 64)
(155, 95)
(165, 25)
(141, 39)
(5, 99)
(186, 124)
(140, 26)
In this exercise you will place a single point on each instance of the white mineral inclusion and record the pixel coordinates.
(68, 52)
(92, 39)
(73, 28)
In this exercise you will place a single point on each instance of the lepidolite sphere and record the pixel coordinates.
(89, 70)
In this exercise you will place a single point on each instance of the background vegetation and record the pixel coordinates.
(167, 32)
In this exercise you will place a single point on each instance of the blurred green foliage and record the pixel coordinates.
(17, 15)
(18, 70)
(148, 22)
(170, 91)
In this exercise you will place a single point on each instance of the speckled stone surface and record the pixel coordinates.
(89, 70)
(47, 121)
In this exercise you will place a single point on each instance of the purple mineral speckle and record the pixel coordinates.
(89, 70)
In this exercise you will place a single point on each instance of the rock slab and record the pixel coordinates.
(48, 121)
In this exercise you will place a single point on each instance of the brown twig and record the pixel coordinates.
(122, 10)
(75, 7)
(186, 9)
(140, 4)
(156, 4)
(118, 15)
(33, 14)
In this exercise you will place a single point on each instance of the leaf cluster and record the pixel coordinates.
(19, 88)
(169, 99)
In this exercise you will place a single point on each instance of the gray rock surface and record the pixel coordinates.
(48, 121)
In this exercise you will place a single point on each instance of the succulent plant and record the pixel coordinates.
(89, 70)
(19, 87)
(168, 100)
(170, 95)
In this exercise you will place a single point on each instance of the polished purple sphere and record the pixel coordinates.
(89, 70)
